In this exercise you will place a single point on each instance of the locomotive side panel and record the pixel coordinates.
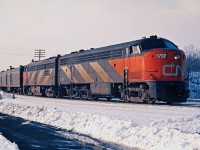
(0, 80)
(135, 69)
(65, 75)
(86, 74)
(104, 89)
(12, 80)
(89, 72)
(81, 73)
(133, 64)
(107, 72)
(43, 77)
(41, 73)
(40, 78)
(4, 79)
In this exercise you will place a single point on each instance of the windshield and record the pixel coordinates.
(170, 44)
(157, 43)
(150, 44)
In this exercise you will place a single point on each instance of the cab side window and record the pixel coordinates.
(135, 49)
(132, 50)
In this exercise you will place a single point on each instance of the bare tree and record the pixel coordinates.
(193, 69)
(192, 58)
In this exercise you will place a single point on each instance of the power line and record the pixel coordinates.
(5, 49)
(13, 45)
(15, 54)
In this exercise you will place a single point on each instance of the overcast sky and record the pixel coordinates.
(62, 26)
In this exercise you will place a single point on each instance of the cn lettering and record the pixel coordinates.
(174, 70)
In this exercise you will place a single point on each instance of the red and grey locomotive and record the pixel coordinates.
(148, 69)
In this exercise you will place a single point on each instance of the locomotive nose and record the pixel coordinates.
(172, 55)
(176, 57)
(168, 64)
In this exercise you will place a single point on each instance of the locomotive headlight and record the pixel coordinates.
(177, 56)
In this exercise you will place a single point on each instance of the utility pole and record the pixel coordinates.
(39, 53)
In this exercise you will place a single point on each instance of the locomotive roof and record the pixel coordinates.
(45, 61)
(11, 70)
(111, 47)
(96, 50)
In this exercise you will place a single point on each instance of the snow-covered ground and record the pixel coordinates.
(131, 125)
(7, 145)
(4, 143)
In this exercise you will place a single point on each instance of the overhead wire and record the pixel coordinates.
(7, 49)
(13, 48)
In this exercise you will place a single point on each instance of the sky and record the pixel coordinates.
(63, 26)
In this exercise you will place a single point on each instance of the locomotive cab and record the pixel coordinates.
(157, 72)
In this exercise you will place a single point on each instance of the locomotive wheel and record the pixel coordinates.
(108, 98)
(50, 95)
(149, 100)
(122, 95)
(71, 95)
(173, 103)
(30, 93)
(94, 98)
(81, 95)
(49, 92)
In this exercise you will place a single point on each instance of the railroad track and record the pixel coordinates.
(118, 101)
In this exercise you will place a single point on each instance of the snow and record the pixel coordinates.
(140, 113)
(4, 143)
(131, 125)
(5, 95)
(7, 145)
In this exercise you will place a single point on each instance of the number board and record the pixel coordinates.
(161, 55)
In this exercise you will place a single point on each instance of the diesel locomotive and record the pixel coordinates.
(150, 69)
(12, 80)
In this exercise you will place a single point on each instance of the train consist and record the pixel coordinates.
(149, 69)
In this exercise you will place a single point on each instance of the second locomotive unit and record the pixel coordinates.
(148, 69)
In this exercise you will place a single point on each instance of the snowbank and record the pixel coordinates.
(7, 145)
(5, 95)
(167, 134)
